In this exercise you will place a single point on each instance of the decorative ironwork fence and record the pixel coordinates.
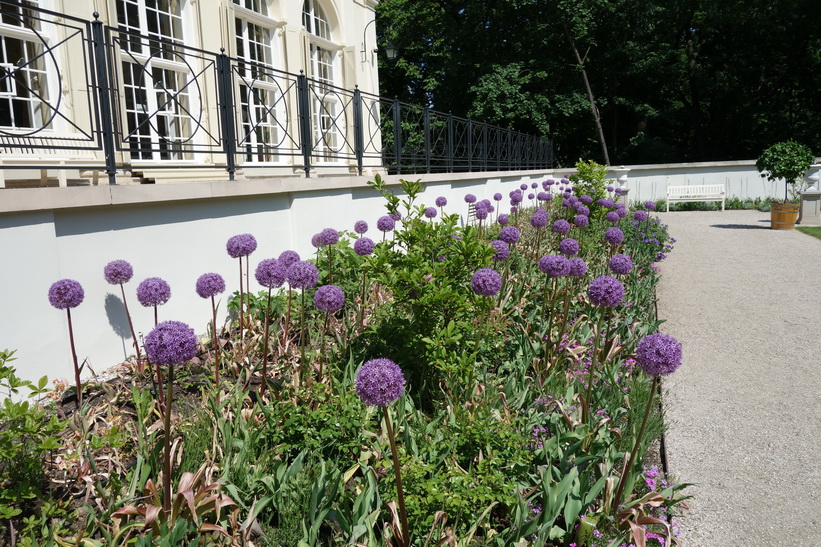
(160, 102)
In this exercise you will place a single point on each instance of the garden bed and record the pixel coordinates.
(515, 422)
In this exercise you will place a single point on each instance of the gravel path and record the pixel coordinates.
(744, 410)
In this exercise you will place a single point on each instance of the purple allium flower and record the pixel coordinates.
(396, 216)
(548, 197)
(210, 284)
(302, 275)
(640, 215)
(65, 294)
(531, 196)
(513, 210)
(503, 219)
(606, 291)
(385, 223)
(618, 191)
(153, 292)
(573, 200)
(171, 343)
(565, 203)
(550, 182)
(565, 180)
(118, 272)
(379, 382)
(441, 201)
(534, 185)
(554, 265)
(241, 245)
(291, 257)
(581, 221)
(501, 248)
(497, 196)
(609, 188)
(541, 196)
(621, 211)
(523, 187)
(649, 205)
(578, 267)
(517, 196)
(470, 198)
(430, 212)
(607, 203)
(490, 208)
(271, 273)
(329, 298)
(360, 227)
(582, 209)
(569, 246)
(363, 246)
(612, 216)
(486, 282)
(539, 219)
(658, 354)
(614, 236)
(481, 213)
(487, 204)
(561, 226)
(328, 236)
(620, 264)
(316, 240)
(509, 234)
(587, 200)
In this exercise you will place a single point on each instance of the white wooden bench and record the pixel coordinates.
(63, 152)
(695, 192)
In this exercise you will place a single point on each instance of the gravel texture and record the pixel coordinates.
(743, 411)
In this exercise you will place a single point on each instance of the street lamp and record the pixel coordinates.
(390, 49)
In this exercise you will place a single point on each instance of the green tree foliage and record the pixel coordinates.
(673, 80)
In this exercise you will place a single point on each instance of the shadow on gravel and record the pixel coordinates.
(740, 226)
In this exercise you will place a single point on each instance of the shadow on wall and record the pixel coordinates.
(69, 223)
(115, 312)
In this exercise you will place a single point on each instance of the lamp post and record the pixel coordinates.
(390, 50)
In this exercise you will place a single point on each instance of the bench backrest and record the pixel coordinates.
(696, 190)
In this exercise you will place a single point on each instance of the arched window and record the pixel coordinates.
(326, 112)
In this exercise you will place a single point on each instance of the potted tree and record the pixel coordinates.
(787, 160)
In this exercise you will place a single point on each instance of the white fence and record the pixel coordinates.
(179, 231)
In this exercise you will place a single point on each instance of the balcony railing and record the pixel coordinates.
(161, 103)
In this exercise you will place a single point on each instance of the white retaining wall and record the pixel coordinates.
(179, 231)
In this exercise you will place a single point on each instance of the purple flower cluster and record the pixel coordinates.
(470, 198)
(650, 205)
(327, 236)
(210, 284)
(360, 227)
(578, 267)
(503, 219)
(271, 273)
(612, 216)
(291, 257)
(581, 221)
(509, 234)
(614, 236)
(386, 223)
(302, 275)
(569, 246)
(153, 292)
(329, 298)
(659, 354)
(363, 246)
(486, 282)
(497, 196)
(539, 219)
(561, 226)
(241, 245)
(441, 201)
(171, 343)
(606, 291)
(554, 265)
(587, 200)
(430, 212)
(379, 382)
(118, 272)
(481, 212)
(620, 264)
(502, 251)
(607, 203)
(65, 294)
(640, 215)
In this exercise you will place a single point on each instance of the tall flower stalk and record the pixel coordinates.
(208, 286)
(118, 272)
(240, 246)
(302, 275)
(154, 292)
(363, 247)
(270, 273)
(64, 295)
(328, 299)
(605, 292)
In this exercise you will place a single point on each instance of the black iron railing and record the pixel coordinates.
(161, 103)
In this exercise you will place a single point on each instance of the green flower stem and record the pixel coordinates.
(302, 337)
(74, 358)
(215, 341)
(130, 324)
(240, 315)
(589, 395)
(362, 301)
(265, 344)
(400, 493)
(627, 469)
(330, 264)
(287, 320)
(166, 483)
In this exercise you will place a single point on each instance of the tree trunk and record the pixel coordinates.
(593, 108)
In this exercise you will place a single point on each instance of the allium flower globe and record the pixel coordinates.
(302, 275)
(584, 198)
(210, 284)
(363, 246)
(614, 236)
(607, 203)
(569, 247)
(292, 257)
(561, 226)
(509, 234)
(379, 382)
(554, 265)
(503, 219)
(328, 236)
(486, 282)
(360, 227)
(153, 292)
(659, 354)
(621, 211)
(609, 188)
(531, 196)
(539, 219)
(612, 216)
(65, 294)
(385, 223)
(396, 216)
(241, 245)
(501, 250)
(581, 221)
(271, 273)
(470, 198)
(497, 196)
(329, 298)
(640, 216)
(649, 205)
(481, 213)
(606, 291)
(620, 264)
(578, 267)
(441, 201)
(118, 272)
(171, 343)
(523, 187)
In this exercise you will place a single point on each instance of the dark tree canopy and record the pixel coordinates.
(673, 80)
